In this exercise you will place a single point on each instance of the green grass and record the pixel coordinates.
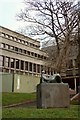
(33, 112)
(13, 98)
(72, 112)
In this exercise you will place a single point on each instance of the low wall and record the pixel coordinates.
(25, 83)
(19, 83)
(7, 81)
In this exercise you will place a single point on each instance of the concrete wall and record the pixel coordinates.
(7, 81)
(25, 83)
(19, 83)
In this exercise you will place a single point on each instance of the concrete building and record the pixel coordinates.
(20, 54)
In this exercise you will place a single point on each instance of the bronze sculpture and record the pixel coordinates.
(56, 78)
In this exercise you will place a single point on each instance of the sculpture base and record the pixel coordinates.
(53, 95)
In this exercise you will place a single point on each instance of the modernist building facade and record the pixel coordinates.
(21, 61)
(20, 54)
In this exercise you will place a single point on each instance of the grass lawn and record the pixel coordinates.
(13, 98)
(33, 112)
(72, 112)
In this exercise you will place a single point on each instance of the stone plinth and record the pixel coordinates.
(52, 95)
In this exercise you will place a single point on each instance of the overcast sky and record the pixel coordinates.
(8, 11)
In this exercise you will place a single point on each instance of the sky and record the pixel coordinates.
(8, 11)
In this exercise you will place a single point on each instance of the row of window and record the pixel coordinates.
(23, 65)
(19, 40)
(8, 62)
(23, 51)
(19, 64)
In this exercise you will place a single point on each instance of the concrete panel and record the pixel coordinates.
(25, 83)
(51, 95)
(7, 80)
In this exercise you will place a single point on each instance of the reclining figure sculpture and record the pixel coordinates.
(56, 78)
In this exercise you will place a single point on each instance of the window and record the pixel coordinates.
(31, 44)
(32, 53)
(7, 46)
(42, 56)
(17, 64)
(38, 56)
(30, 66)
(22, 41)
(1, 60)
(34, 67)
(26, 65)
(3, 34)
(16, 49)
(2, 45)
(20, 50)
(28, 52)
(15, 39)
(7, 61)
(12, 63)
(7, 36)
(26, 43)
(24, 51)
(22, 65)
(11, 38)
(36, 46)
(35, 55)
(38, 68)
(19, 40)
(12, 47)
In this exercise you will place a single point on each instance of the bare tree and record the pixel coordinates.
(52, 19)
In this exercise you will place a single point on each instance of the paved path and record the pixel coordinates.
(23, 104)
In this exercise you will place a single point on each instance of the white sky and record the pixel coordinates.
(8, 11)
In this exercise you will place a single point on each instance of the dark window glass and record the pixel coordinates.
(30, 66)
(1, 60)
(38, 68)
(17, 64)
(22, 65)
(34, 67)
(16, 49)
(26, 65)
